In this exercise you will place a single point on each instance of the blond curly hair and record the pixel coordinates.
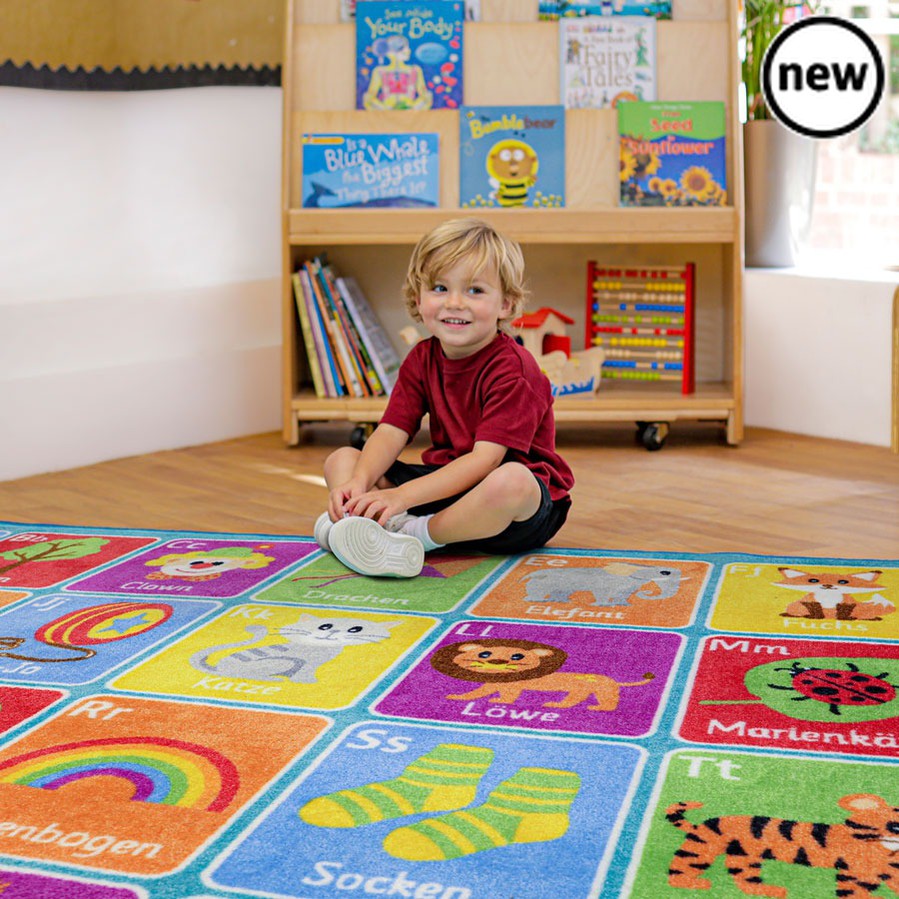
(475, 241)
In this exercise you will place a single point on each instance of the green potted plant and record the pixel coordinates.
(779, 165)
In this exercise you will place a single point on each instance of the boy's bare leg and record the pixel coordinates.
(509, 493)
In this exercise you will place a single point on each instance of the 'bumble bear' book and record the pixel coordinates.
(672, 154)
(607, 59)
(409, 55)
(511, 156)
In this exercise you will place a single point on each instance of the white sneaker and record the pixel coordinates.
(363, 545)
(321, 530)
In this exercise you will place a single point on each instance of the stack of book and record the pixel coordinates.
(348, 350)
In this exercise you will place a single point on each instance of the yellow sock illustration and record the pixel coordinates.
(445, 778)
(532, 806)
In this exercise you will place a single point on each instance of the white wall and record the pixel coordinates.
(139, 272)
(819, 351)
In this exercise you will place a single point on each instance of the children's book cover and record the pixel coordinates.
(605, 60)
(672, 154)
(409, 55)
(370, 170)
(512, 156)
(472, 10)
(561, 9)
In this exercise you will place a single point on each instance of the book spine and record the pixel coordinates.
(341, 379)
(325, 362)
(308, 337)
(383, 355)
(338, 347)
(366, 345)
(356, 381)
(367, 374)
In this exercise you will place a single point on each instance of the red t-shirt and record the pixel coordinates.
(497, 394)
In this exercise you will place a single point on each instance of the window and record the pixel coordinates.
(856, 204)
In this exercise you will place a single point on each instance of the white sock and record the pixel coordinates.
(414, 526)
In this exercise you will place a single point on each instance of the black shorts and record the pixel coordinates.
(518, 537)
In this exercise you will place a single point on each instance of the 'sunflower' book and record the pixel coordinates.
(409, 55)
(512, 156)
(672, 154)
(370, 170)
(605, 60)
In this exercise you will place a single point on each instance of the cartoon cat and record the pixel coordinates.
(310, 642)
(831, 594)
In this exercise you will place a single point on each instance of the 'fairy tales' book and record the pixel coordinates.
(608, 59)
(409, 55)
(672, 154)
(370, 170)
(512, 156)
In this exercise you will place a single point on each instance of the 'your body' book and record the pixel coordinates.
(409, 55)
(512, 156)
(672, 154)
(607, 59)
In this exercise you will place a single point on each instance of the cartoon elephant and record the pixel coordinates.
(612, 585)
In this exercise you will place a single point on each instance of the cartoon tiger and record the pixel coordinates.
(864, 851)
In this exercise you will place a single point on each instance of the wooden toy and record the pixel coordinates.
(543, 334)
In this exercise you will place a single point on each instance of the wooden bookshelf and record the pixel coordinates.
(512, 58)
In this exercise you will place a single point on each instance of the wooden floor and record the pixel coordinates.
(776, 493)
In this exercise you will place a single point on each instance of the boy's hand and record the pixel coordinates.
(377, 504)
(341, 496)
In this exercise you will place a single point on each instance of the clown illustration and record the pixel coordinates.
(207, 565)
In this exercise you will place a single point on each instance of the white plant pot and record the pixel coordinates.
(779, 170)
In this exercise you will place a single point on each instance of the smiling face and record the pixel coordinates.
(462, 308)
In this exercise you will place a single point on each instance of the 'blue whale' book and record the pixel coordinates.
(370, 170)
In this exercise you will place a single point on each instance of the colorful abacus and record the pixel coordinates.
(643, 320)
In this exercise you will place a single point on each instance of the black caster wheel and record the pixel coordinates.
(653, 434)
(359, 435)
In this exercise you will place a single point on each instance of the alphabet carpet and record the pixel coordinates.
(199, 716)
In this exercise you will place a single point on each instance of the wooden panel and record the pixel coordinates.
(591, 158)
(319, 12)
(551, 226)
(324, 71)
(692, 61)
(511, 63)
(443, 122)
(700, 10)
(509, 10)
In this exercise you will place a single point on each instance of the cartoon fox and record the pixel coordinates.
(831, 594)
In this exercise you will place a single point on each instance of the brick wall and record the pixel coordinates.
(856, 204)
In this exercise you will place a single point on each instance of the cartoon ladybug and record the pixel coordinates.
(838, 687)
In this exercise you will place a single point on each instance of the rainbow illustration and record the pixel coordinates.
(161, 770)
(103, 624)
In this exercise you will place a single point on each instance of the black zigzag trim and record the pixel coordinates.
(118, 80)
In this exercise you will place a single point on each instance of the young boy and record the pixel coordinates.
(492, 480)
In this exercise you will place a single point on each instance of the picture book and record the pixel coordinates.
(370, 170)
(409, 54)
(472, 10)
(383, 356)
(512, 156)
(608, 59)
(561, 9)
(672, 154)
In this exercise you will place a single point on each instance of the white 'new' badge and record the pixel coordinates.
(823, 76)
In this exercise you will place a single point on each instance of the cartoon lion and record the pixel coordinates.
(507, 668)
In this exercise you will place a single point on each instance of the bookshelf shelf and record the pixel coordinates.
(510, 58)
(568, 226)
